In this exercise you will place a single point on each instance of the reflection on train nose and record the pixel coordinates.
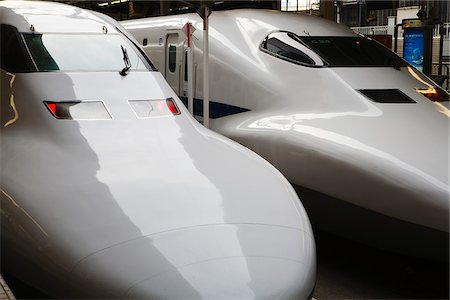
(212, 261)
(227, 278)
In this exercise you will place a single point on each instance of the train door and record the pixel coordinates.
(173, 70)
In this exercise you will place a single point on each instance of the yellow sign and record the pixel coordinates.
(411, 23)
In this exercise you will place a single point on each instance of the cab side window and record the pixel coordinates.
(287, 46)
(14, 57)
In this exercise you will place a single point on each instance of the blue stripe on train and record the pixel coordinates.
(216, 109)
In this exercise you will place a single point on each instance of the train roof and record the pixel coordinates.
(51, 17)
(252, 21)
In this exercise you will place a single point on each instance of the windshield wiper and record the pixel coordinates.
(126, 60)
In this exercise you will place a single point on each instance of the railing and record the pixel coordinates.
(446, 29)
(369, 30)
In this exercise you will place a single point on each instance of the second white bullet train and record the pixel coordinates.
(362, 135)
(110, 189)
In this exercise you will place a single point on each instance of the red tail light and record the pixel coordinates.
(172, 106)
(434, 93)
(52, 107)
(145, 109)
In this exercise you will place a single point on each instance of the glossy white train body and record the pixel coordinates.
(100, 201)
(377, 172)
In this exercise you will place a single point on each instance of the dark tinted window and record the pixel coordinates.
(14, 57)
(352, 51)
(185, 66)
(172, 58)
(83, 52)
(42, 58)
(286, 46)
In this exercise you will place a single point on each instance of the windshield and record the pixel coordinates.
(82, 52)
(353, 52)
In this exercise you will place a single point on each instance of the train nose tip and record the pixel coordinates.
(225, 261)
(229, 278)
(234, 261)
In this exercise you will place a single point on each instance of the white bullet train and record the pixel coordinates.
(361, 135)
(110, 189)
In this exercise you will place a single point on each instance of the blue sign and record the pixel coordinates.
(413, 45)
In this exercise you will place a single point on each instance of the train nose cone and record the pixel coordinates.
(225, 261)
